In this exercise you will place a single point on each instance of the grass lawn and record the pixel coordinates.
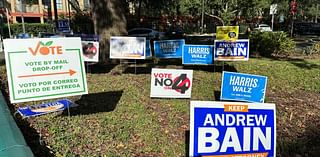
(118, 117)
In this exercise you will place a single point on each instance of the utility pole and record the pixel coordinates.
(22, 17)
(317, 14)
(293, 10)
(8, 22)
(55, 13)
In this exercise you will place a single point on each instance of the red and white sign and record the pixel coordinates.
(171, 83)
(90, 51)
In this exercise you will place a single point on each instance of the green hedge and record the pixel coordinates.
(271, 43)
(31, 28)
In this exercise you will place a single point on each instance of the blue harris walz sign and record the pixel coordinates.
(232, 129)
(231, 50)
(243, 87)
(197, 54)
(168, 48)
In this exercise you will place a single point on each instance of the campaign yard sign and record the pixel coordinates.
(90, 51)
(243, 87)
(231, 51)
(227, 32)
(44, 68)
(128, 47)
(171, 83)
(232, 129)
(197, 54)
(148, 49)
(168, 48)
(41, 109)
(64, 25)
(90, 46)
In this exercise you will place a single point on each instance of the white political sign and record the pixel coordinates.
(128, 47)
(44, 68)
(171, 83)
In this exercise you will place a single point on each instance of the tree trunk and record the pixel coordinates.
(109, 20)
(317, 14)
(139, 12)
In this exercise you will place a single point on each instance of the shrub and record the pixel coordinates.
(31, 28)
(271, 43)
(314, 49)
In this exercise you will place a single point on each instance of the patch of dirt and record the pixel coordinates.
(298, 122)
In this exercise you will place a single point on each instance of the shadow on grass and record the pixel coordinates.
(95, 103)
(299, 62)
(176, 64)
(212, 68)
(138, 70)
(99, 68)
(217, 95)
(305, 144)
(187, 142)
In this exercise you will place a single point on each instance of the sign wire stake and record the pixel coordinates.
(135, 67)
(40, 132)
(68, 110)
(222, 66)
(88, 70)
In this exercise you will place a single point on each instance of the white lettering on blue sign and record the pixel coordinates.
(232, 128)
(232, 51)
(198, 52)
(243, 87)
(208, 143)
(169, 47)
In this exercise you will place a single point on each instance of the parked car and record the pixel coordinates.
(263, 28)
(145, 32)
(23, 36)
(45, 34)
(175, 32)
(306, 28)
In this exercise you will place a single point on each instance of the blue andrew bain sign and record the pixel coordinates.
(243, 87)
(197, 54)
(168, 48)
(237, 50)
(232, 129)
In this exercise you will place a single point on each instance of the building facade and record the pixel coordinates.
(41, 11)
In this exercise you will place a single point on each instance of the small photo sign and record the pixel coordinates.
(90, 51)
